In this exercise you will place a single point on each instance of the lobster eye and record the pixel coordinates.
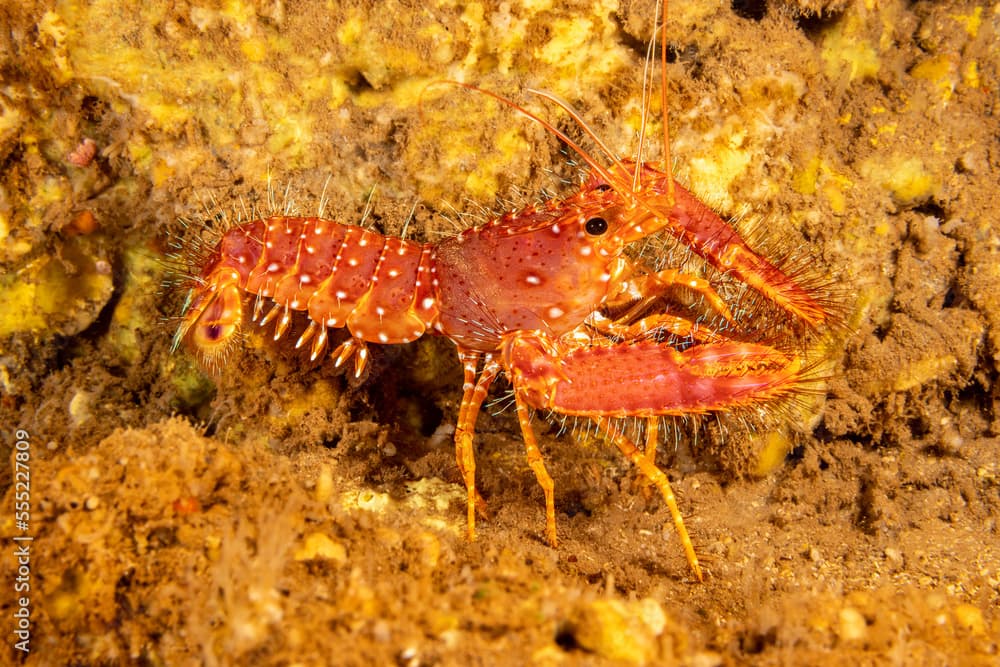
(596, 226)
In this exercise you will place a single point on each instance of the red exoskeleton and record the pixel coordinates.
(524, 295)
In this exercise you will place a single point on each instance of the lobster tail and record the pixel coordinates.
(212, 319)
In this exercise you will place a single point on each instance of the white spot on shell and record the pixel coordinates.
(427, 303)
(273, 267)
(380, 311)
(532, 279)
(382, 338)
(393, 273)
(556, 229)
(586, 251)
(556, 312)
(352, 262)
(341, 294)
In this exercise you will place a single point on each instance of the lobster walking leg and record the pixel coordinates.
(652, 285)
(473, 393)
(652, 439)
(656, 476)
(537, 464)
(663, 323)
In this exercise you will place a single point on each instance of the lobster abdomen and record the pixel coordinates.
(379, 287)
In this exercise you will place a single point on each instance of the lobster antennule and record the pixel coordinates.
(613, 176)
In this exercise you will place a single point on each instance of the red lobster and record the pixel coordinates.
(522, 295)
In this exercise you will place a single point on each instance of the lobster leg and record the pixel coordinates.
(661, 323)
(649, 378)
(473, 393)
(537, 464)
(652, 285)
(658, 479)
(652, 439)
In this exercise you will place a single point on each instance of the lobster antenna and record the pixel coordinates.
(646, 85)
(604, 173)
(565, 106)
(667, 166)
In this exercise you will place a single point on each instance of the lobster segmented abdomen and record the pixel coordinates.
(399, 304)
(338, 292)
(380, 288)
